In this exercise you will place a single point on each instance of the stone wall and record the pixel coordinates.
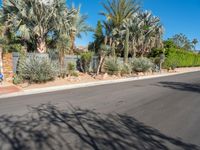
(1, 63)
(8, 66)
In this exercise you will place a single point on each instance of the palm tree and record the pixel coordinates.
(79, 26)
(194, 43)
(32, 19)
(145, 32)
(150, 35)
(118, 10)
(62, 30)
(133, 24)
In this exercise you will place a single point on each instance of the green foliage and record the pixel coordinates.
(17, 79)
(169, 44)
(181, 41)
(181, 58)
(35, 20)
(156, 52)
(117, 11)
(86, 59)
(141, 64)
(71, 69)
(111, 66)
(37, 70)
(126, 69)
(98, 36)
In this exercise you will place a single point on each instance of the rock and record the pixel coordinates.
(140, 74)
(99, 77)
(105, 76)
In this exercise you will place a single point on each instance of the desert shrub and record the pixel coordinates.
(86, 59)
(17, 79)
(37, 70)
(126, 69)
(111, 66)
(71, 69)
(141, 64)
(181, 58)
(74, 74)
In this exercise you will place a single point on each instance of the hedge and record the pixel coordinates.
(181, 58)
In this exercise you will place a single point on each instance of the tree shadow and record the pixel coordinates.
(48, 127)
(181, 86)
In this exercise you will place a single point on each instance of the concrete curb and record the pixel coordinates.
(89, 84)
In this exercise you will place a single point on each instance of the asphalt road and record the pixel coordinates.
(162, 113)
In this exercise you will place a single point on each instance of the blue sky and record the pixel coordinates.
(177, 16)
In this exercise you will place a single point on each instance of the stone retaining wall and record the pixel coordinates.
(8, 66)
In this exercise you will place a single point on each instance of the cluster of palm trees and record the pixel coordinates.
(129, 30)
(38, 23)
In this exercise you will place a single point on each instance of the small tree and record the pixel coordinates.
(98, 36)
(103, 52)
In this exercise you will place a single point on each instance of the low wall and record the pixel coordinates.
(8, 66)
(54, 58)
(68, 58)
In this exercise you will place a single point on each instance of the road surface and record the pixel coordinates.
(161, 113)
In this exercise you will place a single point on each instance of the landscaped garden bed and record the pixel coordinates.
(86, 78)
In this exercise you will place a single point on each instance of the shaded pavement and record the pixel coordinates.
(151, 114)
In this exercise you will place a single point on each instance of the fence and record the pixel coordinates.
(68, 58)
(54, 58)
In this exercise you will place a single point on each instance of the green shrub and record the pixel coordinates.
(71, 67)
(181, 58)
(74, 74)
(111, 66)
(17, 79)
(126, 69)
(156, 52)
(37, 70)
(86, 58)
(141, 64)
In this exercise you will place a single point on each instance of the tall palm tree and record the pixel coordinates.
(79, 26)
(150, 34)
(145, 32)
(118, 10)
(33, 19)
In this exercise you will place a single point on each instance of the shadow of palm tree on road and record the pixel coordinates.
(181, 86)
(48, 127)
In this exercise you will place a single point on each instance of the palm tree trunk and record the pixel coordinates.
(113, 49)
(72, 37)
(99, 65)
(41, 45)
(134, 50)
